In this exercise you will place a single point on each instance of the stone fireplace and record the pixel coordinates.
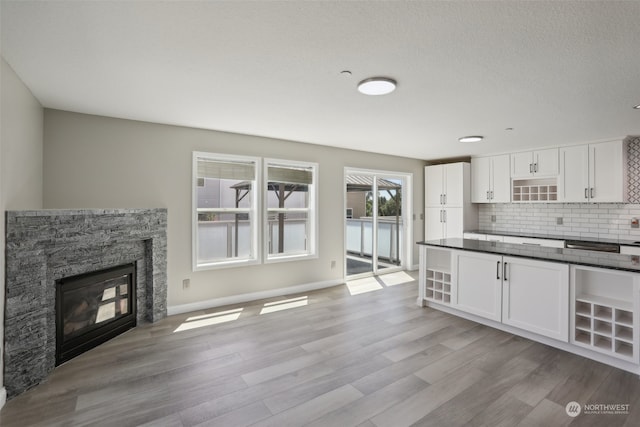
(47, 248)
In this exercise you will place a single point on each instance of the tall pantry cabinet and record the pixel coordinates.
(448, 208)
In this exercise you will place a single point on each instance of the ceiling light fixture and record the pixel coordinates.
(637, 107)
(377, 86)
(472, 138)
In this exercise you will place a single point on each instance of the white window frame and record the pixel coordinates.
(254, 212)
(312, 240)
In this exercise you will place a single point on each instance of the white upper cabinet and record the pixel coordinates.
(490, 179)
(448, 210)
(444, 185)
(534, 163)
(593, 173)
(607, 172)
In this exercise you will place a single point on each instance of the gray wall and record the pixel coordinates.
(99, 162)
(21, 124)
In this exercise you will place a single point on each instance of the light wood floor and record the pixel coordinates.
(371, 359)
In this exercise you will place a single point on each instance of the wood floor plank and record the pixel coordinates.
(424, 402)
(313, 409)
(546, 413)
(506, 411)
(462, 408)
(368, 359)
(370, 405)
(244, 416)
(391, 373)
(291, 397)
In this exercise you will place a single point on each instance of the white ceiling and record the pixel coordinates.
(557, 72)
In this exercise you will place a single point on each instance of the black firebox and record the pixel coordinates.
(93, 308)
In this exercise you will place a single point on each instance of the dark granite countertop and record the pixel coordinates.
(557, 237)
(568, 256)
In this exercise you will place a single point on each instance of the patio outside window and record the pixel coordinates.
(226, 200)
(290, 222)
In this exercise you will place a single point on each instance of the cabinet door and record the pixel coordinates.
(453, 184)
(478, 284)
(501, 179)
(522, 164)
(453, 224)
(574, 174)
(546, 162)
(480, 181)
(535, 297)
(433, 228)
(433, 185)
(606, 172)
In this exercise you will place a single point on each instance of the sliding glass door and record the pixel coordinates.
(374, 222)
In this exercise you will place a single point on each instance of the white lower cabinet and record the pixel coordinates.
(527, 294)
(477, 287)
(535, 296)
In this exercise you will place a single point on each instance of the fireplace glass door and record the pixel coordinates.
(93, 308)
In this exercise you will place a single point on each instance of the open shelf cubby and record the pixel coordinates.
(534, 190)
(438, 286)
(603, 317)
(438, 276)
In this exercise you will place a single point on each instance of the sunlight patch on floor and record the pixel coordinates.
(361, 286)
(209, 319)
(284, 304)
(393, 279)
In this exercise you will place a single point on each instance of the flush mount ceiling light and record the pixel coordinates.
(472, 138)
(377, 86)
(637, 107)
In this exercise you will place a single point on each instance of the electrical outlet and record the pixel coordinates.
(186, 283)
(634, 223)
(559, 221)
(333, 264)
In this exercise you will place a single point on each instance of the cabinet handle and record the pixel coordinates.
(445, 199)
(504, 271)
(491, 194)
(445, 216)
(441, 216)
(498, 271)
(530, 167)
(592, 192)
(535, 167)
(487, 195)
(441, 199)
(586, 194)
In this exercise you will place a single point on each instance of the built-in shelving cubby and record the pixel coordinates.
(534, 190)
(604, 316)
(438, 276)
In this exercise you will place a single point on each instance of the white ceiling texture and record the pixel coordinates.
(557, 72)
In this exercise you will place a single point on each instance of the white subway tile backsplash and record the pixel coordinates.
(610, 221)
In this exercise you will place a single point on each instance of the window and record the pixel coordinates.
(290, 223)
(225, 200)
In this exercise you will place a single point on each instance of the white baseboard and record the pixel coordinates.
(3, 397)
(252, 296)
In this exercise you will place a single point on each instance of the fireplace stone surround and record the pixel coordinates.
(43, 246)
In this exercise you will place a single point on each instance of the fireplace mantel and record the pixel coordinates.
(47, 245)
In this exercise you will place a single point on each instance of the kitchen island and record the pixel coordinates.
(580, 301)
